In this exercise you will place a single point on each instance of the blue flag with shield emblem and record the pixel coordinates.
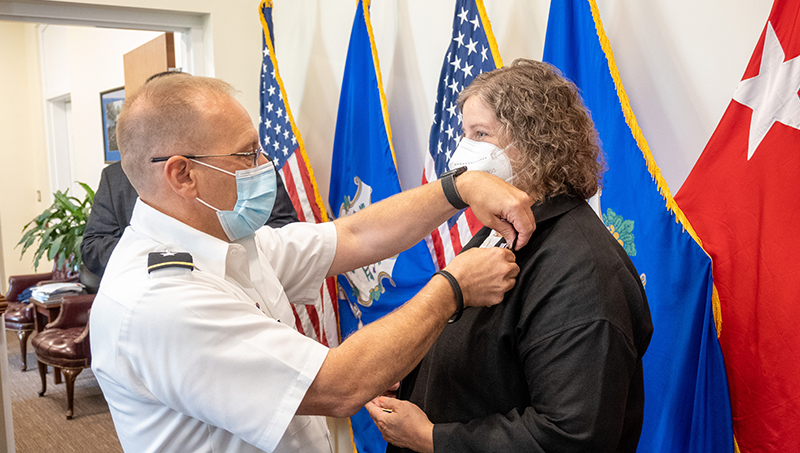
(364, 172)
(687, 407)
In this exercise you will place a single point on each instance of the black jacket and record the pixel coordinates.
(558, 365)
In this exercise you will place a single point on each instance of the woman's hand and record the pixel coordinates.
(402, 423)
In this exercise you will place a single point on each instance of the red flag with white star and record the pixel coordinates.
(743, 199)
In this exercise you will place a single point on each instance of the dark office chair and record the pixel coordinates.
(64, 344)
(19, 317)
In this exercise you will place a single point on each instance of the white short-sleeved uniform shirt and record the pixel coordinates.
(207, 360)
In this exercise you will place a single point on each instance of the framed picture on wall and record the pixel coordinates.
(111, 103)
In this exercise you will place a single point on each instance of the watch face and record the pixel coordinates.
(455, 171)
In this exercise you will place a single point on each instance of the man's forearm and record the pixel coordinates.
(389, 227)
(380, 354)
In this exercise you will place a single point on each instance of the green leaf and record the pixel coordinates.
(27, 239)
(48, 233)
(41, 218)
(65, 202)
(59, 229)
(55, 247)
(89, 192)
(38, 255)
(28, 242)
(627, 226)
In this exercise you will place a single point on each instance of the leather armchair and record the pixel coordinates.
(19, 317)
(64, 343)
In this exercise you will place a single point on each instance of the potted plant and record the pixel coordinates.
(59, 230)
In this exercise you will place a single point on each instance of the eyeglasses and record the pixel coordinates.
(254, 154)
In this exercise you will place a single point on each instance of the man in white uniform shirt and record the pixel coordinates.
(191, 330)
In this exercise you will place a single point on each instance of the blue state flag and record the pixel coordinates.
(687, 406)
(364, 172)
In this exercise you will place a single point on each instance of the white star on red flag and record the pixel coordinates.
(772, 94)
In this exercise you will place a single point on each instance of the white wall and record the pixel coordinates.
(681, 61)
(23, 168)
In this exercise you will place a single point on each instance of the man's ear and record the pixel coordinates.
(181, 177)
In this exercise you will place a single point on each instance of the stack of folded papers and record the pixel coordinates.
(54, 292)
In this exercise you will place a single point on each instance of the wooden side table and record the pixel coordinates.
(46, 312)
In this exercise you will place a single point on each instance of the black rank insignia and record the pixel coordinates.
(165, 260)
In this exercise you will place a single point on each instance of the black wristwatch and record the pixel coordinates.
(448, 179)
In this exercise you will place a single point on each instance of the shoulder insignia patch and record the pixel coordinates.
(164, 260)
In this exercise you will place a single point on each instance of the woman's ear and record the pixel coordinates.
(181, 177)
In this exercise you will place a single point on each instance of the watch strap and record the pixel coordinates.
(456, 292)
(449, 186)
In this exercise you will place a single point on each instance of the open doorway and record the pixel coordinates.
(58, 112)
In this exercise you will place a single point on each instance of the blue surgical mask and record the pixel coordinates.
(255, 196)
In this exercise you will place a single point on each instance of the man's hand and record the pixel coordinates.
(484, 275)
(498, 205)
(402, 423)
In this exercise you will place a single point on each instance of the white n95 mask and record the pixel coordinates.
(256, 189)
(482, 156)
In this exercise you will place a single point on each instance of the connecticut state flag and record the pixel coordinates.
(743, 199)
(281, 139)
(686, 394)
(364, 172)
(472, 51)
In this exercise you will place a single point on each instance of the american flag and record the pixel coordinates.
(472, 50)
(281, 140)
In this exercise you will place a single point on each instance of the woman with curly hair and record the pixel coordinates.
(558, 365)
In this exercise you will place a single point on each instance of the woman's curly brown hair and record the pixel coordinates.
(543, 117)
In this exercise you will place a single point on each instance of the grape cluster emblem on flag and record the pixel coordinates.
(622, 230)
